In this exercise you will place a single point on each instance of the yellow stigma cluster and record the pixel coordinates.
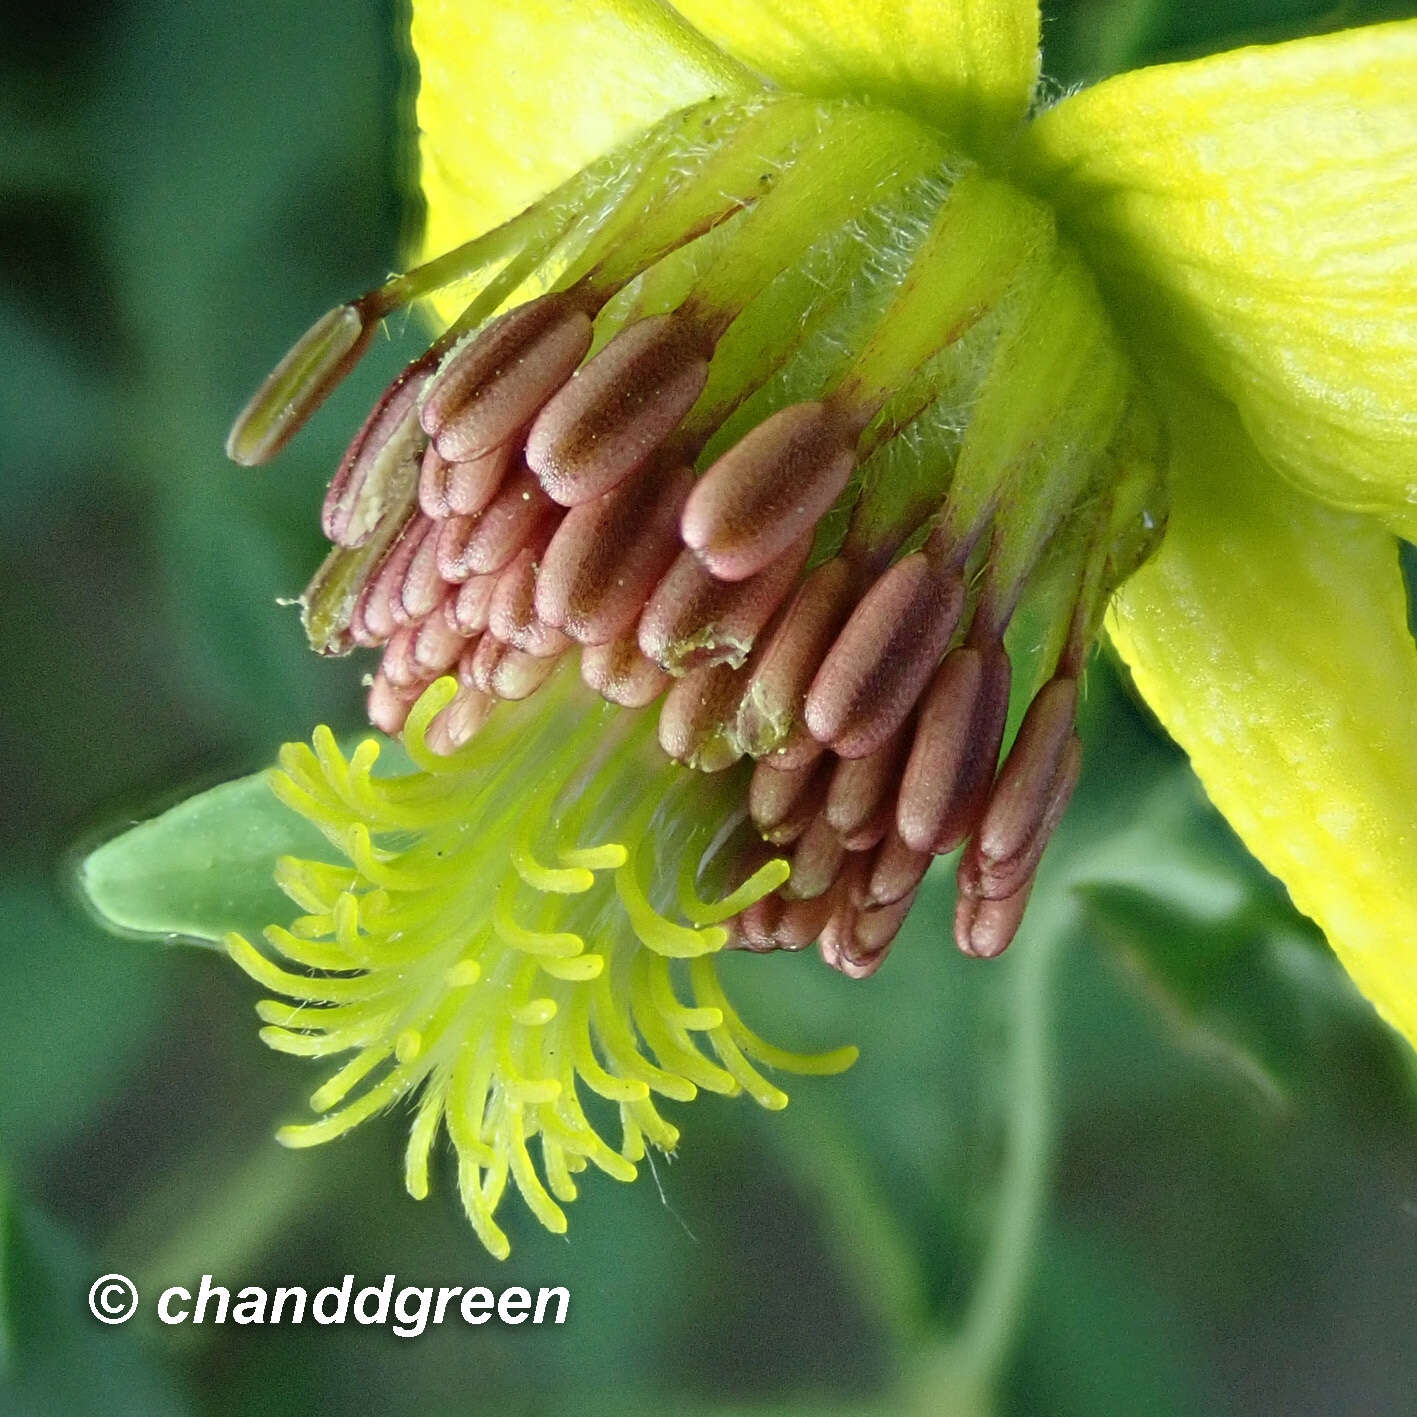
(509, 938)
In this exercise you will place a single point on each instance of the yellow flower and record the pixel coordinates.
(797, 376)
(1252, 221)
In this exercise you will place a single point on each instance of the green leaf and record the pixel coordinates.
(203, 868)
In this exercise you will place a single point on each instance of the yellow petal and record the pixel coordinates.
(515, 97)
(1261, 208)
(1269, 633)
(967, 65)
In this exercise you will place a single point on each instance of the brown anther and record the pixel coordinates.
(473, 604)
(816, 861)
(606, 421)
(422, 587)
(607, 556)
(756, 927)
(693, 619)
(796, 750)
(494, 385)
(839, 946)
(621, 674)
(1029, 798)
(783, 802)
(511, 615)
(873, 933)
(389, 704)
(436, 644)
(952, 761)
(874, 672)
(790, 656)
(860, 799)
(376, 476)
(769, 489)
(397, 663)
(696, 718)
(378, 613)
(478, 546)
(985, 928)
(855, 879)
(461, 489)
(504, 672)
(896, 870)
(802, 921)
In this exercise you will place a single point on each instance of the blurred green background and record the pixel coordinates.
(1158, 1160)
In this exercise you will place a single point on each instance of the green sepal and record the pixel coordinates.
(202, 868)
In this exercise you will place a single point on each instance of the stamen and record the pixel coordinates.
(512, 617)
(1029, 798)
(782, 802)
(896, 871)
(955, 749)
(378, 614)
(874, 672)
(603, 425)
(422, 587)
(784, 669)
(462, 488)
(388, 705)
(498, 669)
(478, 546)
(621, 674)
(769, 489)
(985, 928)
(861, 798)
(694, 619)
(473, 602)
(436, 645)
(495, 383)
(607, 555)
(298, 385)
(374, 482)
(816, 860)
(696, 720)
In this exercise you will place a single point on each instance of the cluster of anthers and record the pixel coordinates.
(806, 430)
(807, 406)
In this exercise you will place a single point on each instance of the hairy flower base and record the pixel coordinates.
(503, 942)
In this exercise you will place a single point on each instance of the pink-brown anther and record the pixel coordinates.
(695, 619)
(606, 556)
(874, 672)
(1029, 797)
(790, 656)
(952, 760)
(375, 478)
(621, 674)
(480, 545)
(769, 489)
(511, 615)
(494, 385)
(605, 422)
